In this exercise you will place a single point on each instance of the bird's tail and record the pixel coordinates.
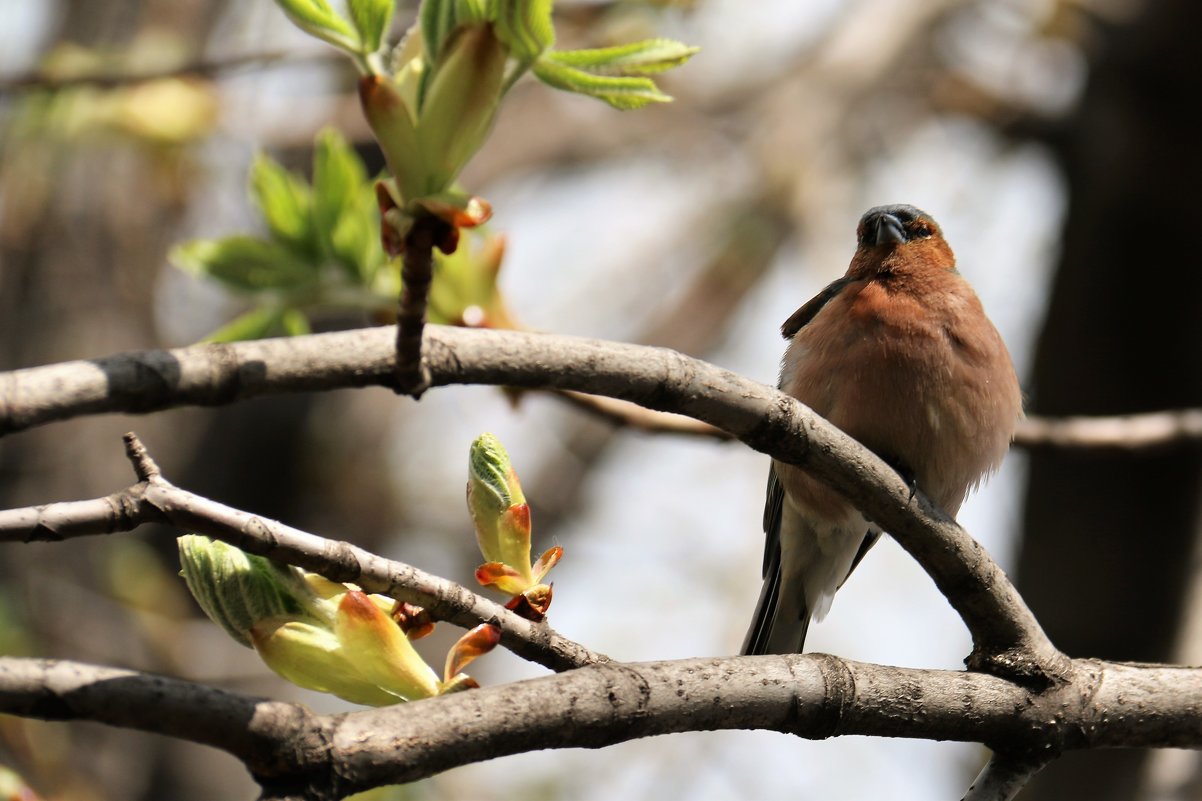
(781, 621)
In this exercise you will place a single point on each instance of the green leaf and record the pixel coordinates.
(438, 19)
(285, 201)
(470, 12)
(637, 58)
(460, 105)
(618, 91)
(254, 324)
(392, 121)
(318, 18)
(295, 323)
(525, 28)
(244, 263)
(372, 18)
(338, 181)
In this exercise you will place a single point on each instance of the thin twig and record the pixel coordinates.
(36, 81)
(154, 499)
(417, 271)
(1002, 778)
(1134, 432)
(630, 415)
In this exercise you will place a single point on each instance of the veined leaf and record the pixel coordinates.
(371, 18)
(525, 27)
(637, 58)
(437, 19)
(295, 323)
(285, 201)
(621, 92)
(395, 128)
(244, 263)
(318, 18)
(254, 324)
(460, 104)
(339, 179)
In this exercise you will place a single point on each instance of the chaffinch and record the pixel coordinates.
(899, 354)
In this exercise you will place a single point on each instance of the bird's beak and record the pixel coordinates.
(889, 230)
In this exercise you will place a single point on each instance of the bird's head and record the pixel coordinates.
(899, 239)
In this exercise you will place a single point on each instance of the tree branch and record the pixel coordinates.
(1125, 432)
(810, 695)
(1007, 638)
(417, 271)
(38, 81)
(1003, 777)
(271, 738)
(154, 499)
(1134, 432)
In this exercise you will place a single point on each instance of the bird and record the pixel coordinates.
(899, 354)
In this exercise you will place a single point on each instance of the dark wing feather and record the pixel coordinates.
(756, 641)
(766, 607)
(810, 310)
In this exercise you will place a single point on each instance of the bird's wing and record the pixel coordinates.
(870, 539)
(774, 504)
(781, 618)
(758, 636)
(768, 608)
(807, 312)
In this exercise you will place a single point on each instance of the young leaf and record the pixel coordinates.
(318, 18)
(339, 179)
(295, 323)
(437, 20)
(371, 18)
(244, 263)
(618, 91)
(393, 123)
(637, 58)
(469, 648)
(255, 324)
(460, 104)
(525, 27)
(285, 201)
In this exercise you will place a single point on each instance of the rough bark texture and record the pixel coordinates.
(295, 753)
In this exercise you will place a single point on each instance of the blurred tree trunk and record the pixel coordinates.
(1108, 535)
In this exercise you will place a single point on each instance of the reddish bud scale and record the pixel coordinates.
(357, 605)
(474, 644)
(519, 513)
(414, 620)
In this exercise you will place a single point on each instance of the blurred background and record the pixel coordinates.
(1055, 141)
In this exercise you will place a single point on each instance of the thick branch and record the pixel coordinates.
(270, 737)
(1007, 637)
(811, 695)
(157, 500)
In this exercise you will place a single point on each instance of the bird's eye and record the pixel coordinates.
(920, 230)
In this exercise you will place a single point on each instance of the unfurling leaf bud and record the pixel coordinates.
(460, 104)
(317, 633)
(502, 520)
(498, 507)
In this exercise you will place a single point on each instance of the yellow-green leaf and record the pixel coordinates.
(244, 263)
(637, 58)
(284, 200)
(621, 92)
